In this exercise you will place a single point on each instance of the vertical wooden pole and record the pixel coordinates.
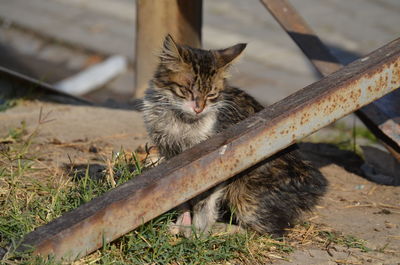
(155, 19)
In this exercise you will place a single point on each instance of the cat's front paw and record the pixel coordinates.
(183, 225)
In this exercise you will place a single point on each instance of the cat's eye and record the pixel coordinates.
(180, 91)
(212, 95)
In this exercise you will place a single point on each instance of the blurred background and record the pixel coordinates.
(52, 40)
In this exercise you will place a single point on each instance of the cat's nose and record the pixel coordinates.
(198, 105)
(198, 109)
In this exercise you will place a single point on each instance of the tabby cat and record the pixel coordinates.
(188, 101)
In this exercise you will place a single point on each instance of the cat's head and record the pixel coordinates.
(192, 79)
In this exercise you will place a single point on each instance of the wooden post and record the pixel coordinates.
(155, 19)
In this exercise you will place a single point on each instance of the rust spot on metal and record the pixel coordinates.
(355, 94)
(251, 151)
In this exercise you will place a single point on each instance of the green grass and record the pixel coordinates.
(32, 195)
(152, 243)
(346, 137)
(345, 240)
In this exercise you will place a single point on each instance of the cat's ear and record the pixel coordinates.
(171, 51)
(227, 56)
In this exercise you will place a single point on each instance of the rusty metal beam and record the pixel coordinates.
(294, 25)
(158, 190)
(382, 117)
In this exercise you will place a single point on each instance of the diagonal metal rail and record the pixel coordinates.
(382, 117)
(28, 82)
(187, 175)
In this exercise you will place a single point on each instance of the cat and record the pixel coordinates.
(190, 100)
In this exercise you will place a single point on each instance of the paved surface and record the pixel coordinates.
(74, 127)
(272, 68)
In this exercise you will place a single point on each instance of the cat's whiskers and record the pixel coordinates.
(230, 107)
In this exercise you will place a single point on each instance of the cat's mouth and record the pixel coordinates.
(191, 117)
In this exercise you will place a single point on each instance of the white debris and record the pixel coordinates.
(93, 77)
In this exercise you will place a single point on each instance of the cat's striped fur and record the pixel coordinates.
(188, 101)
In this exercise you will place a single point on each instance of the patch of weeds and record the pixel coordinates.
(126, 166)
(345, 240)
(17, 133)
(352, 242)
(354, 132)
(87, 187)
(153, 244)
(16, 191)
(321, 236)
(383, 248)
(346, 137)
(365, 133)
(349, 136)
(32, 195)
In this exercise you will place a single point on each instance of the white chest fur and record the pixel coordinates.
(189, 134)
(173, 134)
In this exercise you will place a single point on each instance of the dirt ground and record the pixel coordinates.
(353, 205)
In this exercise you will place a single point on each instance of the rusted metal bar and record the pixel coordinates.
(294, 25)
(158, 190)
(382, 117)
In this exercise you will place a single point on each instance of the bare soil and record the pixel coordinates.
(353, 205)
